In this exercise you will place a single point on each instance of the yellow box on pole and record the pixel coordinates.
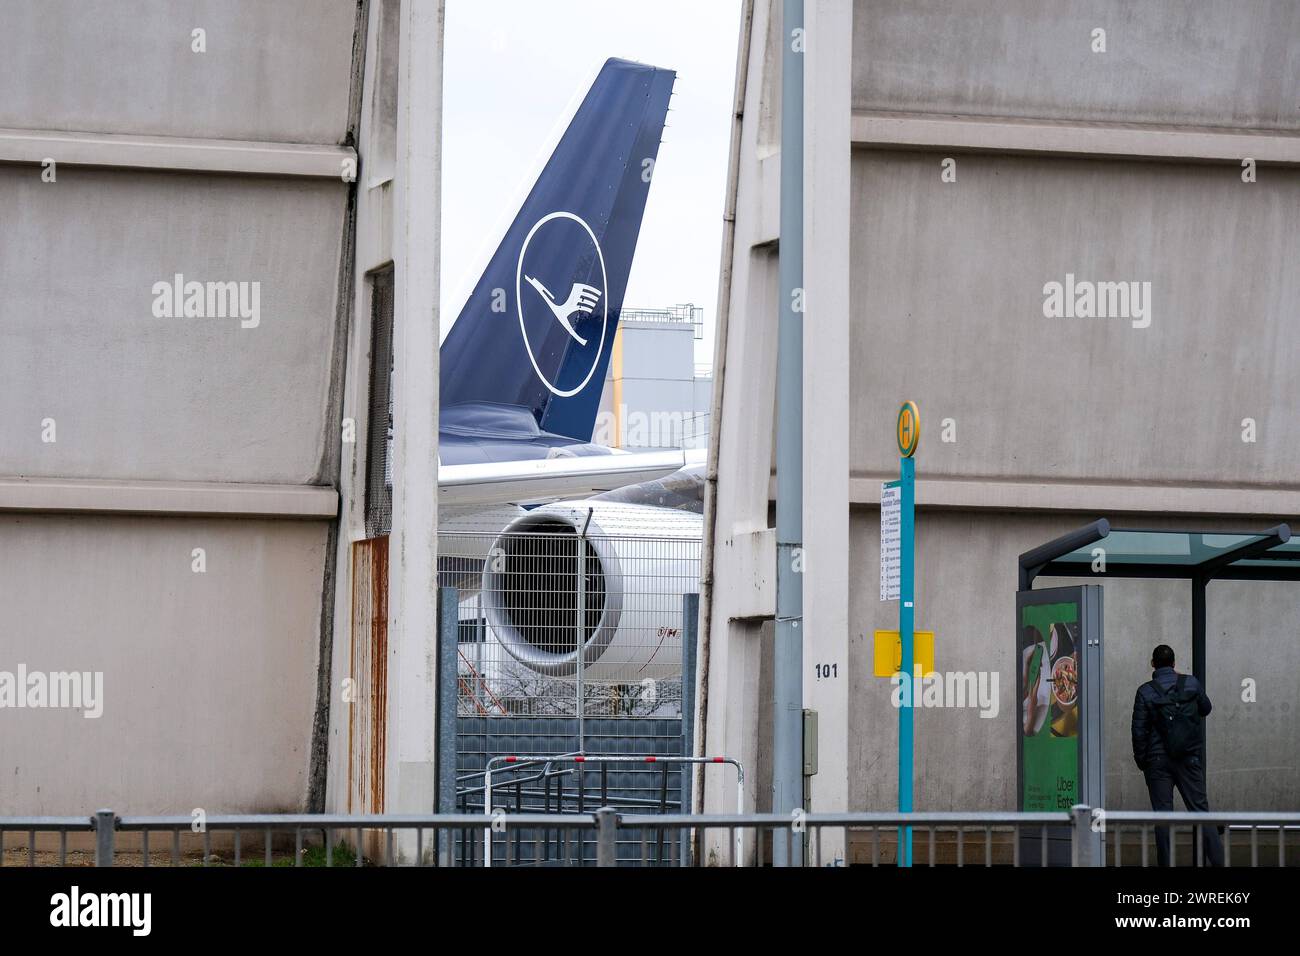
(889, 652)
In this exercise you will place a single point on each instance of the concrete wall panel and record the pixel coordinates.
(136, 396)
(278, 72)
(948, 311)
(208, 678)
(1220, 63)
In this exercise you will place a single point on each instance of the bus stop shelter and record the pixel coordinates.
(1060, 759)
(1196, 556)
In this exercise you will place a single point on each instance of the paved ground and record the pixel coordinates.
(17, 856)
(313, 856)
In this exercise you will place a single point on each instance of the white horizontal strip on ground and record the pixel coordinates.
(176, 153)
(1112, 140)
(195, 498)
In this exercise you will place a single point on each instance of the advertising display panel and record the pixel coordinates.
(1058, 684)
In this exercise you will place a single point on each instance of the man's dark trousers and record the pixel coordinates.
(1188, 775)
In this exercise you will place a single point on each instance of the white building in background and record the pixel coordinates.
(655, 395)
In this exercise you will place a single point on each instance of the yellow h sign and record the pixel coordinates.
(909, 429)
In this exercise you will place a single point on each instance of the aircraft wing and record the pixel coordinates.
(554, 479)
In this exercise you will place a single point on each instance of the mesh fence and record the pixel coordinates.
(526, 598)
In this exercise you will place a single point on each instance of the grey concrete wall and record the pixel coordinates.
(1218, 63)
(948, 311)
(1048, 417)
(948, 296)
(136, 396)
(966, 583)
(208, 678)
(275, 71)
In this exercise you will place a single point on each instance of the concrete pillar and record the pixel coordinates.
(744, 468)
(827, 157)
(410, 779)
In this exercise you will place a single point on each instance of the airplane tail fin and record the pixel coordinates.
(538, 328)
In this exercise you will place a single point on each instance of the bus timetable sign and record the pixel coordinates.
(891, 540)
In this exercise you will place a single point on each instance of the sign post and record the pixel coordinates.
(909, 435)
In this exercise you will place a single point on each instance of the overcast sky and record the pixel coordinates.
(511, 69)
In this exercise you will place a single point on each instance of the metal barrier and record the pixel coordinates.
(34, 825)
(604, 826)
(1248, 826)
(531, 788)
(517, 762)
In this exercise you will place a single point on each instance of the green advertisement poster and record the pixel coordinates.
(1049, 705)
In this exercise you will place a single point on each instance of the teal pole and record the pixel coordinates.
(907, 485)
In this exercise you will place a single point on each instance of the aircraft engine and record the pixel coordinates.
(638, 561)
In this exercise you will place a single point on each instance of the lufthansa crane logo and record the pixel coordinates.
(581, 301)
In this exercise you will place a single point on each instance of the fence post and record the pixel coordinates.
(448, 692)
(606, 836)
(1081, 837)
(580, 638)
(690, 624)
(105, 827)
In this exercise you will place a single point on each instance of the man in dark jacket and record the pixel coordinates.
(1154, 703)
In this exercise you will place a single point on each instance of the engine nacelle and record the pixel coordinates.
(638, 561)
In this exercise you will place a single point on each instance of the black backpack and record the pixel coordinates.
(1178, 718)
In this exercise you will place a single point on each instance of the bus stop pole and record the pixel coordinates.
(906, 610)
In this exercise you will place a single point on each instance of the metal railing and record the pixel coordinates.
(542, 785)
(1254, 839)
(491, 811)
(1247, 827)
(684, 314)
